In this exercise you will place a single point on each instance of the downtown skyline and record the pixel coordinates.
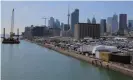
(30, 13)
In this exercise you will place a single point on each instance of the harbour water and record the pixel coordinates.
(28, 61)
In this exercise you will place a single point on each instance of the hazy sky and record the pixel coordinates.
(31, 12)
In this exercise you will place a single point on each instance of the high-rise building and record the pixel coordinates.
(83, 30)
(109, 25)
(102, 27)
(93, 20)
(66, 27)
(88, 20)
(122, 23)
(61, 26)
(48, 23)
(51, 22)
(66, 31)
(115, 24)
(130, 24)
(57, 23)
(74, 19)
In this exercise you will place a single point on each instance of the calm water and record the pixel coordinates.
(27, 61)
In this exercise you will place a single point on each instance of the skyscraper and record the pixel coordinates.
(66, 27)
(51, 22)
(88, 20)
(61, 27)
(122, 23)
(109, 25)
(130, 24)
(114, 23)
(102, 26)
(93, 20)
(48, 23)
(57, 23)
(74, 19)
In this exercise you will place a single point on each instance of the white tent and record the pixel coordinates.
(111, 48)
(103, 47)
(98, 47)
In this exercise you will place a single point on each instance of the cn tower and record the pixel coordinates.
(68, 16)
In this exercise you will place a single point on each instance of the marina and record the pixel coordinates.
(116, 62)
(22, 62)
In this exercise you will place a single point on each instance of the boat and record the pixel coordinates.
(10, 41)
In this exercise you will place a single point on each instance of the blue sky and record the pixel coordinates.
(31, 12)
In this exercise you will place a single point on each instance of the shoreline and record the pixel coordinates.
(90, 60)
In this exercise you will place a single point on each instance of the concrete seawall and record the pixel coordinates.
(93, 61)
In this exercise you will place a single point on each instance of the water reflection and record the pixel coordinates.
(111, 75)
(2, 48)
(10, 52)
(83, 64)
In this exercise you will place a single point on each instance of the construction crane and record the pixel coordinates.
(45, 20)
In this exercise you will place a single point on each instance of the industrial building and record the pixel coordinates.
(28, 32)
(86, 30)
(54, 31)
(39, 31)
